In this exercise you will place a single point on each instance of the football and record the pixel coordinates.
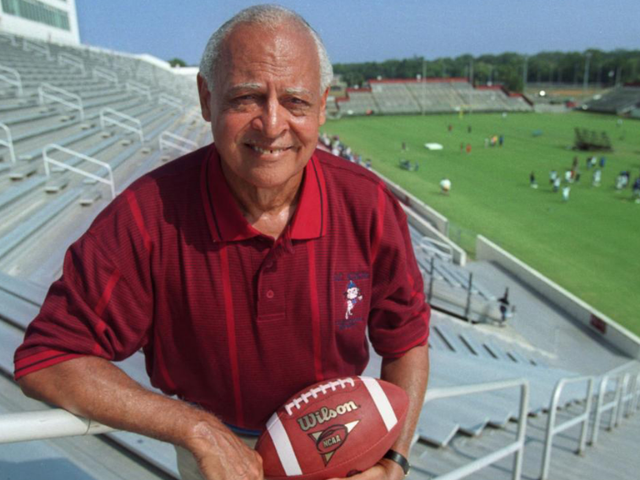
(334, 428)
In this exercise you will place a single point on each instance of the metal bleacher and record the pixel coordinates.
(432, 96)
(620, 100)
(42, 214)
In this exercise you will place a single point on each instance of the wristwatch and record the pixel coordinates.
(400, 460)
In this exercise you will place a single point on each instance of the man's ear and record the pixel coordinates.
(205, 98)
(323, 107)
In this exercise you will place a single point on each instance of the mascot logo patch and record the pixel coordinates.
(352, 295)
(330, 440)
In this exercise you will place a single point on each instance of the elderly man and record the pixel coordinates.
(230, 266)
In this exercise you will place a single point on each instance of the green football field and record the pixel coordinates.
(590, 245)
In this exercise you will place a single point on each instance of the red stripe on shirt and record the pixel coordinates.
(137, 216)
(231, 334)
(315, 312)
(106, 296)
(100, 307)
(382, 201)
(62, 357)
(38, 357)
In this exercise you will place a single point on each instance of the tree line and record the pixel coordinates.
(605, 69)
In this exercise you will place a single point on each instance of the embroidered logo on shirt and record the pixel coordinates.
(352, 295)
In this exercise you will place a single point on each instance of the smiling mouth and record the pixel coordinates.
(266, 150)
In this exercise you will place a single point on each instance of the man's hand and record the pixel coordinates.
(383, 470)
(221, 455)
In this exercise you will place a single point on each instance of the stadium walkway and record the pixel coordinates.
(543, 326)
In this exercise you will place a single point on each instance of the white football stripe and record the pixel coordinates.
(283, 446)
(381, 401)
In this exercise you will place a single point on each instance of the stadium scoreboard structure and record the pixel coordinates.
(46, 20)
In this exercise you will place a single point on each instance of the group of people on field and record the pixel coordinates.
(562, 182)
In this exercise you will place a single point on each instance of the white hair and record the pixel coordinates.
(269, 16)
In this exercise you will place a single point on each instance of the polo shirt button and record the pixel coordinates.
(270, 264)
(270, 294)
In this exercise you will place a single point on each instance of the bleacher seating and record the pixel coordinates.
(620, 100)
(358, 102)
(33, 204)
(432, 96)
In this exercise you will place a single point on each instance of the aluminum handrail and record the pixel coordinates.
(601, 408)
(27, 426)
(42, 95)
(99, 72)
(553, 429)
(626, 398)
(10, 36)
(68, 59)
(171, 101)
(139, 88)
(8, 142)
(17, 82)
(440, 249)
(517, 447)
(30, 46)
(48, 160)
(112, 121)
(166, 140)
(636, 404)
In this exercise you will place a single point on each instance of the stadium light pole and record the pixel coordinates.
(524, 74)
(585, 82)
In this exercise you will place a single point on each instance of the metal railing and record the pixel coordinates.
(8, 142)
(27, 426)
(613, 405)
(163, 98)
(553, 429)
(168, 140)
(132, 86)
(36, 47)
(68, 59)
(48, 160)
(47, 91)
(433, 247)
(16, 82)
(516, 447)
(106, 119)
(11, 37)
(99, 72)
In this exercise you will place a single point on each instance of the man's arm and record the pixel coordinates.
(94, 388)
(411, 372)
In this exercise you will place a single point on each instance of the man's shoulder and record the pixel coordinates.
(183, 169)
(175, 183)
(348, 175)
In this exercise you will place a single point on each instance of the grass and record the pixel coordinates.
(590, 245)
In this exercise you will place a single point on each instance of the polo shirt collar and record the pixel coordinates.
(226, 222)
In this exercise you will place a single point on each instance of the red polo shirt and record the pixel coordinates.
(227, 317)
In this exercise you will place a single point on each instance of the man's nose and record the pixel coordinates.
(272, 120)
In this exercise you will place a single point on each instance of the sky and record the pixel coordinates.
(374, 30)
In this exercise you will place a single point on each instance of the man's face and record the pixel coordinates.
(266, 108)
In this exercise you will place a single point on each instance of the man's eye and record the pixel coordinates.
(298, 102)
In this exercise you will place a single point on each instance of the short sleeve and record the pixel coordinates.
(102, 304)
(399, 316)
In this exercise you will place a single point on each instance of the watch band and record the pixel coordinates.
(399, 459)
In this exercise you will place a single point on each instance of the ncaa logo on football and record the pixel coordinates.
(328, 441)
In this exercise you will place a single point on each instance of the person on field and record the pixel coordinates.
(232, 265)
